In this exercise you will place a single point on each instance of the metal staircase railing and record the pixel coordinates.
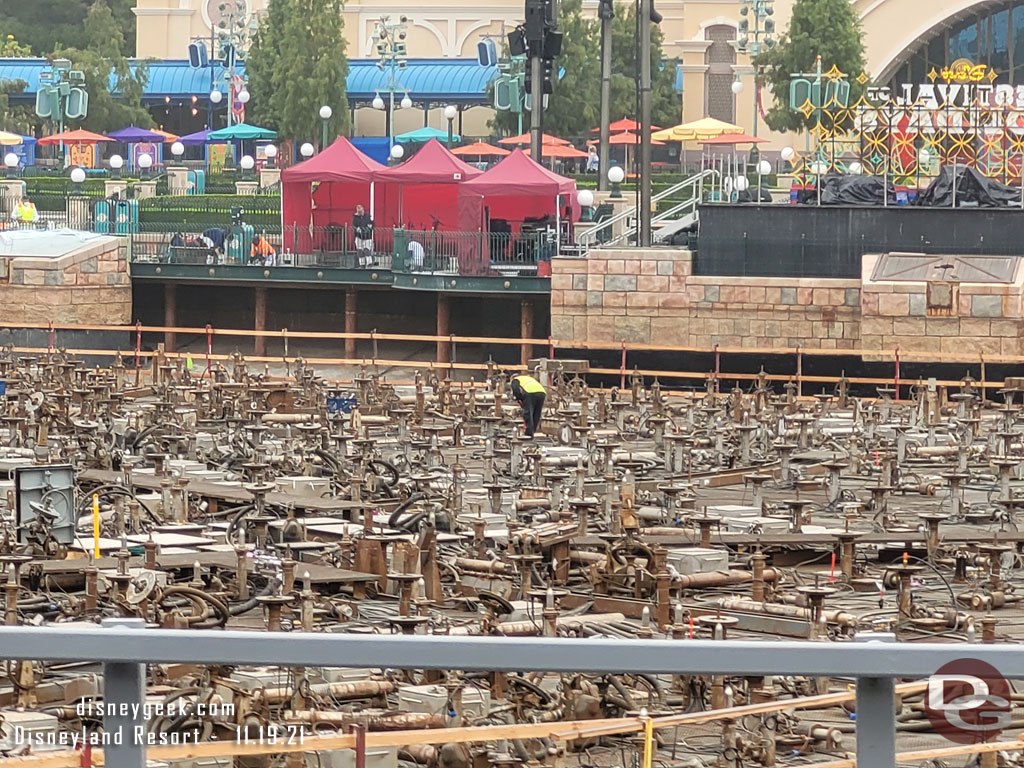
(588, 238)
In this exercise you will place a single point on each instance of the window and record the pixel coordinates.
(719, 100)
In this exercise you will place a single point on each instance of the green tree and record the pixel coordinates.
(104, 64)
(296, 65)
(666, 104)
(826, 28)
(45, 25)
(574, 107)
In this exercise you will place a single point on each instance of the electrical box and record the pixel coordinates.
(690, 560)
(433, 700)
(17, 728)
(46, 492)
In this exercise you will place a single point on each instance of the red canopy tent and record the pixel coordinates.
(424, 189)
(515, 190)
(343, 178)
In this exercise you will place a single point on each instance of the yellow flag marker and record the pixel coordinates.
(96, 526)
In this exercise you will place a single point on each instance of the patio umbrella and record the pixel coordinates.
(77, 136)
(625, 124)
(524, 140)
(561, 152)
(199, 137)
(240, 132)
(135, 135)
(479, 149)
(423, 135)
(168, 136)
(626, 139)
(10, 139)
(698, 130)
(732, 139)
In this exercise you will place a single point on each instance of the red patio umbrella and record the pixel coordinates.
(77, 136)
(480, 150)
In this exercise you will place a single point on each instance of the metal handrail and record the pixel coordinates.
(585, 238)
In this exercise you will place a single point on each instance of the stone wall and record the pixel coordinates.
(652, 297)
(985, 318)
(88, 285)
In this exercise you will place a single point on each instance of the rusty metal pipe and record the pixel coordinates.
(372, 722)
(360, 689)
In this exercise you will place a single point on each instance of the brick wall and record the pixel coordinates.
(651, 297)
(89, 286)
(986, 318)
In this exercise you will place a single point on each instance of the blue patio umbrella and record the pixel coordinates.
(423, 135)
(240, 132)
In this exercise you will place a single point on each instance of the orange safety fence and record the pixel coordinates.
(549, 345)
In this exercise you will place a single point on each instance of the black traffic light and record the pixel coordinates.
(536, 20)
(547, 69)
(606, 10)
(517, 42)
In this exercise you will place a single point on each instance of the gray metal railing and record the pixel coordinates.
(874, 661)
(693, 186)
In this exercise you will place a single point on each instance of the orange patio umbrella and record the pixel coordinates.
(625, 124)
(77, 136)
(480, 150)
(626, 138)
(168, 137)
(560, 151)
(524, 139)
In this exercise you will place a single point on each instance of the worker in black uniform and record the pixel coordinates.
(530, 394)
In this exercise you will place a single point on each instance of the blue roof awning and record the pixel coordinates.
(451, 81)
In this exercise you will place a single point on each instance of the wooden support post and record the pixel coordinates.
(444, 350)
(351, 313)
(260, 324)
(525, 330)
(170, 316)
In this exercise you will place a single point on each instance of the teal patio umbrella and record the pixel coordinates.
(239, 132)
(423, 135)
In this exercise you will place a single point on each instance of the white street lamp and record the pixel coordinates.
(326, 112)
(247, 162)
(77, 178)
(406, 102)
(788, 153)
(216, 96)
(397, 152)
(378, 102)
(243, 96)
(450, 113)
(616, 176)
(177, 149)
(306, 150)
(737, 86)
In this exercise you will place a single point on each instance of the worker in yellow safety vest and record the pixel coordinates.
(530, 394)
(25, 211)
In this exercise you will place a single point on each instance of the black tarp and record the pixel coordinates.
(855, 190)
(972, 189)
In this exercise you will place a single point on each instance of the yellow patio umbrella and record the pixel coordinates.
(9, 139)
(699, 130)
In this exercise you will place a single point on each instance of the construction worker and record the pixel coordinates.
(530, 394)
(25, 211)
(261, 251)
